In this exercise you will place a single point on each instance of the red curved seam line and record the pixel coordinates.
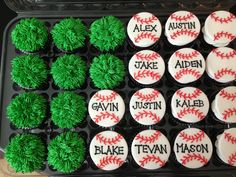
(222, 20)
(110, 141)
(195, 94)
(228, 113)
(190, 157)
(182, 18)
(106, 98)
(181, 32)
(146, 73)
(106, 115)
(224, 71)
(228, 96)
(147, 97)
(146, 35)
(151, 158)
(148, 139)
(222, 55)
(230, 138)
(186, 111)
(187, 71)
(147, 114)
(147, 57)
(110, 160)
(192, 138)
(232, 158)
(186, 56)
(222, 34)
(147, 21)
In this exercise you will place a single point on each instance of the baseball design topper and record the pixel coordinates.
(182, 27)
(226, 146)
(146, 67)
(150, 149)
(193, 148)
(221, 64)
(189, 104)
(147, 106)
(106, 108)
(224, 105)
(144, 29)
(186, 65)
(108, 150)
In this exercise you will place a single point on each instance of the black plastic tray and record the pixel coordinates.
(127, 126)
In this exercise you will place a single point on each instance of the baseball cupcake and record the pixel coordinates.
(106, 108)
(144, 29)
(108, 150)
(221, 64)
(189, 105)
(193, 148)
(147, 106)
(182, 28)
(186, 65)
(146, 67)
(219, 28)
(150, 149)
(226, 146)
(224, 105)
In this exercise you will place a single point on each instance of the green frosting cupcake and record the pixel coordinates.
(107, 33)
(67, 152)
(69, 72)
(107, 71)
(29, 71)
(68, 109)
(69, 34)
(27, 110)
(25, 153)
(30, 35)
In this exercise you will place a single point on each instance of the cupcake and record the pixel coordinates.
(106, 108)
(186, 65)
(224, 105)
(107, 71)
(144, 29)
(30, 35)
(150, 149)
(193, 148)
(108, 150)
(189, 105)
(147, 106)
(27, 110)
(146, 67)
(69, 71)
(182, 28)
(221, 65)
(26, 153)
(226, 146)
(107, 33)
(219, 28)
(66, 152)
(69, 34)
(29, 71)
(68, 109)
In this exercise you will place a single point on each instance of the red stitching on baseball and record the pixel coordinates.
(148, 97)
(228, 96)
(146, 114)
(144, 20)
(222, 34)
(109, 141)
(190, 96)
(228, 113)
(181, 17)
(106, 115)
(221, 19)
(146, 35)
(186, 56)
(152, 158)
(107, 98)
(110, 160)
(230, 138)
(190, 157)
(200, 115)
(182, 32)
(224, 55)
(192, 138)
(224, 71)
(187, 71)
(148, 139)
(232, 159)
(146, 73)
(147, 57)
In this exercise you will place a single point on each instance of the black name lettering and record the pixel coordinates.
(139, 28)
(105, 106)
(146, 65)
(147, 105)
(109, 150)
(189, 103)
(186, 64)
(157, 148)
(183, 148)
(184, 25)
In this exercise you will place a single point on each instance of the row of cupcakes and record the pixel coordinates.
(108, 150)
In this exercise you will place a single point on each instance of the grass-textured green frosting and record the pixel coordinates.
(107, 71)
(69, 34)
(30, 35)
(25, 153)
(67, 152)
(107, 33)
(27, 110)
(68, 109)
(69, 71)
(29, 71)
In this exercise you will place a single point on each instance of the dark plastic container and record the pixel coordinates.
(52, 11)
